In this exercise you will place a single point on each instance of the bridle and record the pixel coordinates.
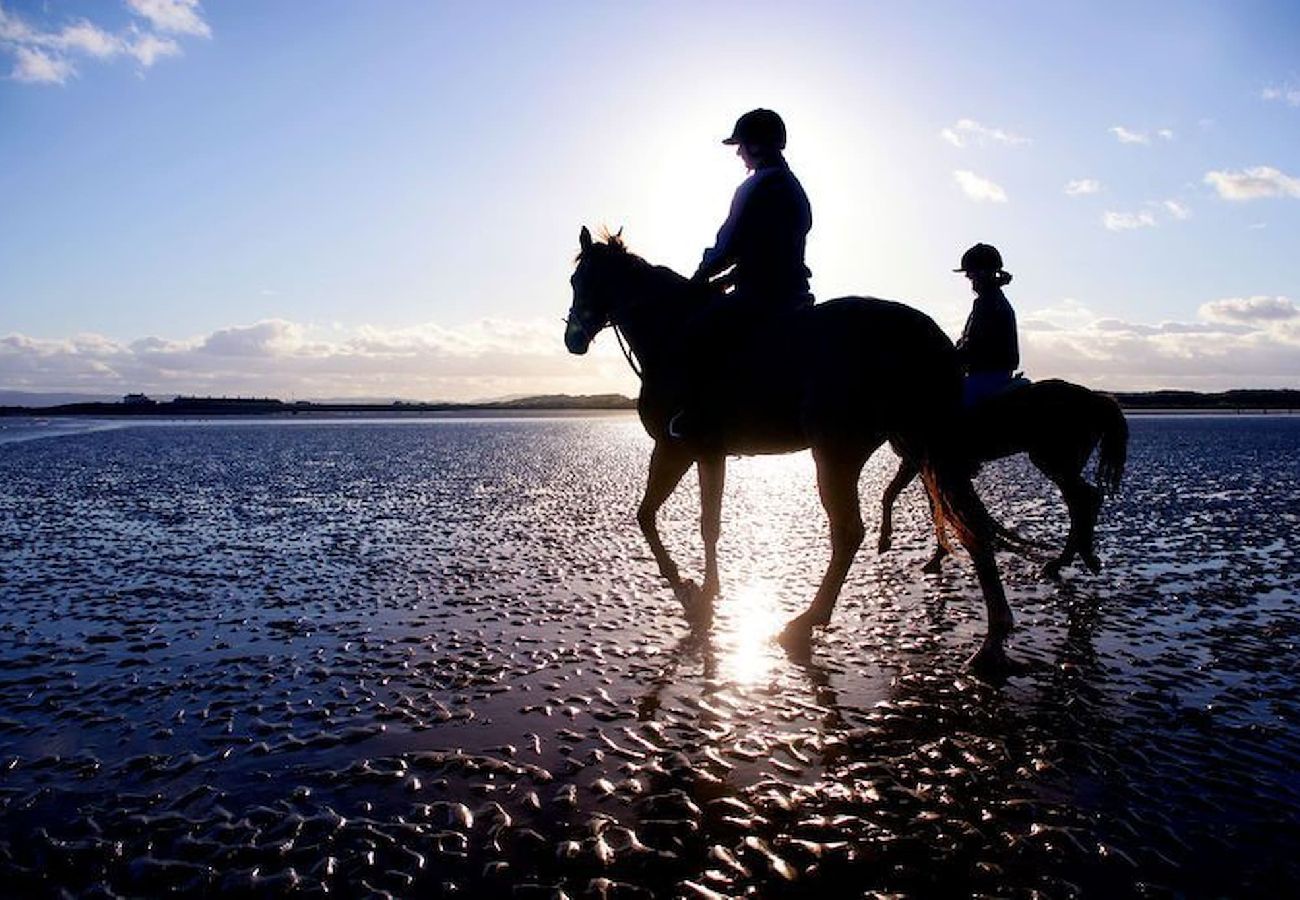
(576, 318)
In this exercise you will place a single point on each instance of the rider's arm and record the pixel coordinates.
(722, 255)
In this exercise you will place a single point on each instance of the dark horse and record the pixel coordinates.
(840, 378)
(1058, 424)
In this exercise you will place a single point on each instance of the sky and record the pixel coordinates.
(382, 200)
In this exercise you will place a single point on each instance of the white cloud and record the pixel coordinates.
(979, 189)
(1177, 210)
(1128, 221)
(266, 338)
(1165, 134)
(484, 359)
(1235, 343)
(1287, 93)
(968, 131)
(149, 48)
(1124, 136)
(1080, 186)
(34, 66)
(1253, 183)
(13, 28)
(46, 55)
(1250, 309)
(87, 38)
(174, 16)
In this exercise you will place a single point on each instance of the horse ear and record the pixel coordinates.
(619, 235)
(584, 239)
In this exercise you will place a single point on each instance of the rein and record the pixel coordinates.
(627, 351)
(574, 318)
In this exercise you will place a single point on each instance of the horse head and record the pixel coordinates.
(595, 288)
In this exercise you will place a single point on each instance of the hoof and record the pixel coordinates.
(696, 604)
(700, 617)
(934, 566)
(991, 663)
(885, 543)
(1052, 571)
(1092, 562)
(796, 639)
(687, 592)
(796, 636)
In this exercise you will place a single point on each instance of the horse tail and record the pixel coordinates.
(956, 505)
(1113, 453)
(1014, 541)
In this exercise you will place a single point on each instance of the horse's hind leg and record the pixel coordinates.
(1089, 502)
(712, 472)
(1083, 501)
(837, 482)
(907, 470)
(934, 564)
(668, 464)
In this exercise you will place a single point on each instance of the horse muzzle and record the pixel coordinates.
(576, 338)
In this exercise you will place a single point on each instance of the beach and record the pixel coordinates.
(434, 657)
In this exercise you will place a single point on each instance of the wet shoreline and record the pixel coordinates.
(438, 662)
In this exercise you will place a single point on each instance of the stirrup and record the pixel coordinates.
(673, 431)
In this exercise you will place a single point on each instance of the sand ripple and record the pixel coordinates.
(434, 659)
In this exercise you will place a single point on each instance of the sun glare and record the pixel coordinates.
(747, 654)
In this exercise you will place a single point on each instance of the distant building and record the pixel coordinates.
(137, 400)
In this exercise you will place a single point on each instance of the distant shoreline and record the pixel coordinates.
(1242, 402)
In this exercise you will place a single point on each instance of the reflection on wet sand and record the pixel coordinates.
(422, 660)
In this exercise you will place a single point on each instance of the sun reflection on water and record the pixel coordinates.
(746, 623)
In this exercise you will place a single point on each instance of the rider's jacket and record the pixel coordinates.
(988, 342)
(764, 238)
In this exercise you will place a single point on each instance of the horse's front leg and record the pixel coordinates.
(837, 482)
(713, 473)
(902, 478)
(668, 463)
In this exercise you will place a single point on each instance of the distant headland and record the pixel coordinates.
(142, 405)
(1244, 400)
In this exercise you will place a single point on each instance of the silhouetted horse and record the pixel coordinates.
(840, 378)
(1058, 424)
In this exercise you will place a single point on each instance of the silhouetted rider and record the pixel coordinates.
(758, 259)
(762, 241)
(988, 349)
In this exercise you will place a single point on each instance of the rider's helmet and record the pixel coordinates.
(981, 258)
(759, 126)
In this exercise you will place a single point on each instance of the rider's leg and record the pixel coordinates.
(979, 386)
(705, 345)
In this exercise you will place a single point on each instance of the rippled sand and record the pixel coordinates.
(434, 659)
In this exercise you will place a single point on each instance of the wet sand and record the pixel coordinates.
(434, 659)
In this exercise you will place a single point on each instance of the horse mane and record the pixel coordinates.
(614, 240)
(611, 240)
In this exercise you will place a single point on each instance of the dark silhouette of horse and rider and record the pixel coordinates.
(738, 359)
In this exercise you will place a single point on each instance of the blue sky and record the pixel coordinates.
(355, 199)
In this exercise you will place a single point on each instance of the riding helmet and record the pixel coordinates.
(981, 258)
(759, 126)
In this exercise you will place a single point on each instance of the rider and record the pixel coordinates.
(987, 349)
(756, 266)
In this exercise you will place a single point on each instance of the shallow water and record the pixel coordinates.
(434, 657)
